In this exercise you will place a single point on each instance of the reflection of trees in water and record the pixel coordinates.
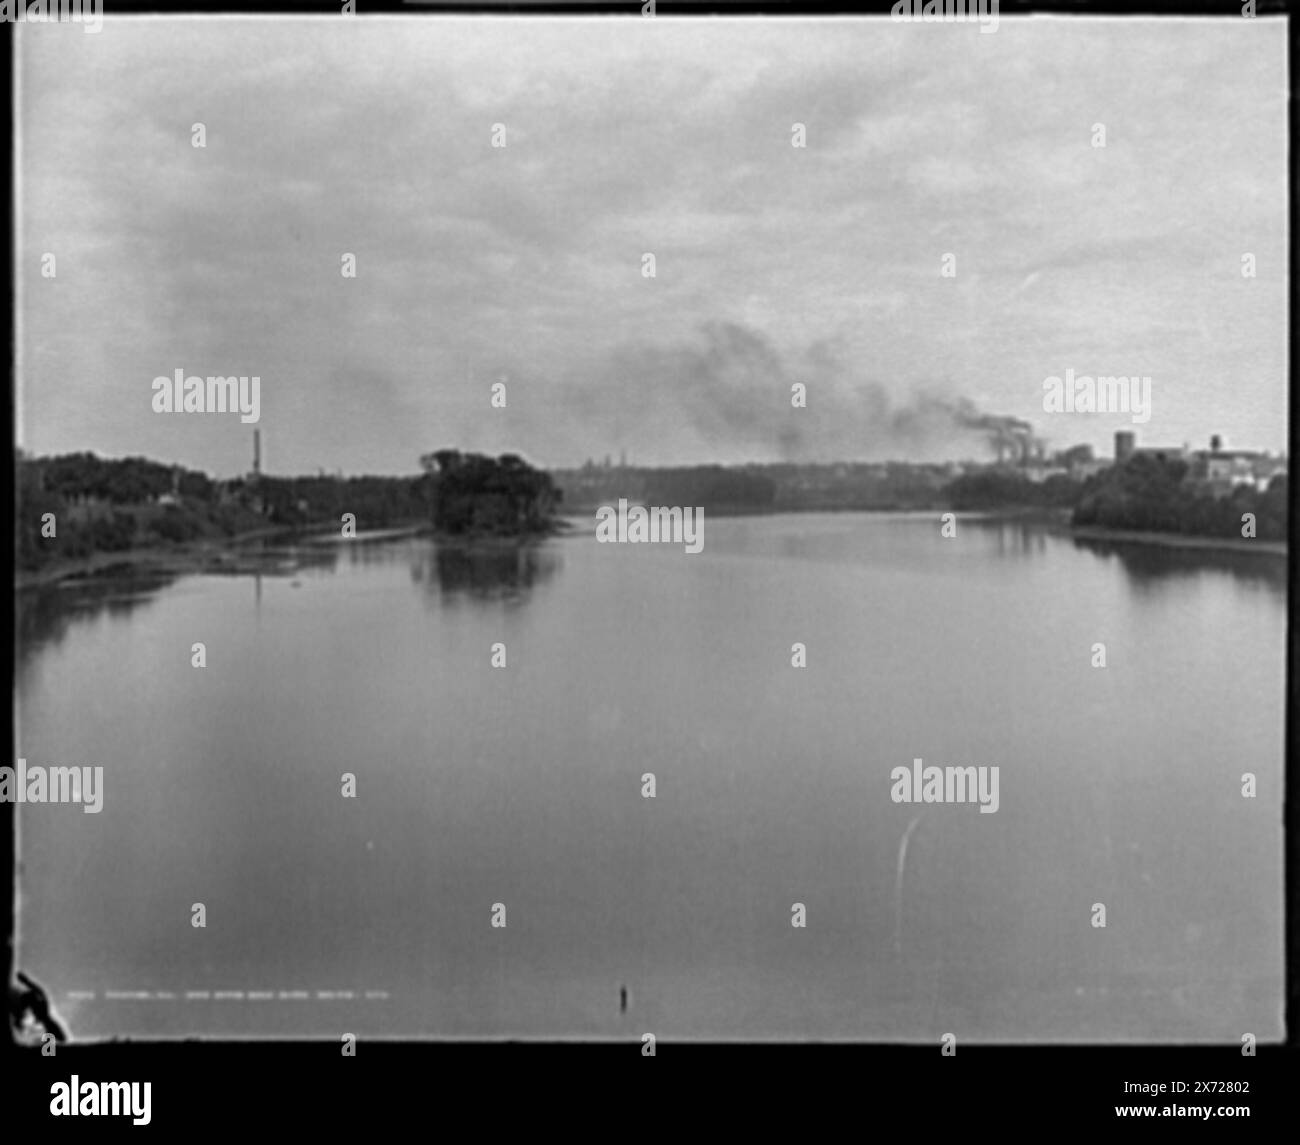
(1146, 564)
(44, 616)
(274, 557)
(1012, 538)
(1015, 538)
(488, 572)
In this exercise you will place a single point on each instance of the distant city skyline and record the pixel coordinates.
(774, 264)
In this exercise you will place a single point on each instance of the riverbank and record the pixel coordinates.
(231, 556)
(280, 549)
(1059, 521)
(1179, 540)
(269, 550)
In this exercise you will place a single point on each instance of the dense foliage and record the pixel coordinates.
(112, 505)
(1000, 488)
(711, 487)
(475, 494)
(775, 487)
(377, 502)
(1148, 493)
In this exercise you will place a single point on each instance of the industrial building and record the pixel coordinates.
(1221, 469)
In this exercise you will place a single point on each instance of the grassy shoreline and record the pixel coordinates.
(157, 560)
(283, 548)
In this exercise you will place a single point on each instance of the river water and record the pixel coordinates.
(523, 786)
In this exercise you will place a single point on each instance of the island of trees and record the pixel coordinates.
(474, 495)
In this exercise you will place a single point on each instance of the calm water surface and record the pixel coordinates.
(523, 785)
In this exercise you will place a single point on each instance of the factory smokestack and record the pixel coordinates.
(257, 453)
(1011, 438)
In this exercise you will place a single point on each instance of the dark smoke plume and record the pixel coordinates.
(731, 388)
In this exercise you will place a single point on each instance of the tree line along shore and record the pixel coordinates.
(79, 513)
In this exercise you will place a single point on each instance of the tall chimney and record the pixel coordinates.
(1124, 441)
(257, 453)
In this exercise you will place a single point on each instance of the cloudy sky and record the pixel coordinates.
(523, 263)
